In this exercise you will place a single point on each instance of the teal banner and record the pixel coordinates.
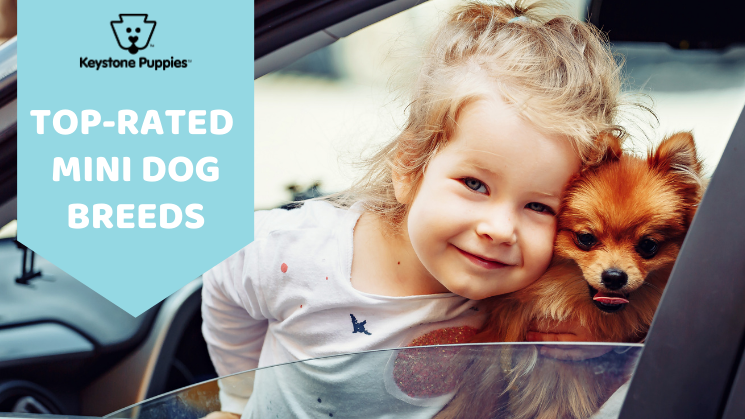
(135, 140)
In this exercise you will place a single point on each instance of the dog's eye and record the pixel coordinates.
(647, 248)
(586, 240)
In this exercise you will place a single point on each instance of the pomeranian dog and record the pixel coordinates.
(619, 229)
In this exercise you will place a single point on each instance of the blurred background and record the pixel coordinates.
(316, 117)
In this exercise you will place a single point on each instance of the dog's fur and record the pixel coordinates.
(620, 201)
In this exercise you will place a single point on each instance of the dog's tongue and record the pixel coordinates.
(608, 298)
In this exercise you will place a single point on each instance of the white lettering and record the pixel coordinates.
(164, 216)
(174, 119)
(198, 219)
(146, 162)
(213, 122)
(172, 169)
(214, 171)
(145, 215)
(125, 176)
(77, 212)
(88, 169)
(152, 121)
(121, 215)
(89, 122)
(102, 213)
(193, 122)
(72, 167)
(40, 114)
(125, 123)
(112, 171)
(73, 122)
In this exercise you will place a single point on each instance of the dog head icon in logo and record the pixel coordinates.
(133, 31)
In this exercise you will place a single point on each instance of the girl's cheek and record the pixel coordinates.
(542, 220)
(543, 244)
(540, 227)
(548, 246)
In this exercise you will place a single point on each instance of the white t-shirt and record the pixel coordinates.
(287, 296)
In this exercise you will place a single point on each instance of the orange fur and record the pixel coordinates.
(620, 201)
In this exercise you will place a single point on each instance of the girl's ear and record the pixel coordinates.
(403, 179)
(401, 186)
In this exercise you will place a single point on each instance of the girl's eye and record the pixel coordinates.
(538, 207)
(475, 185)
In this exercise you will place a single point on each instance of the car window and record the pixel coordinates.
(419, 382)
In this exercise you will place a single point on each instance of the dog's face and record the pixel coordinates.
(133, 31)
(623, 222)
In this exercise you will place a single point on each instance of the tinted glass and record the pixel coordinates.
(422, 382)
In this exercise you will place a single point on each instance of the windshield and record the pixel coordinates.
(422, 382)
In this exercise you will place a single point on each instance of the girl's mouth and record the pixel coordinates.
(481, 261)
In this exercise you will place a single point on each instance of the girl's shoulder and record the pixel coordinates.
(307, 216)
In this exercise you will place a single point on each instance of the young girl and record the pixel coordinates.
(459, 207)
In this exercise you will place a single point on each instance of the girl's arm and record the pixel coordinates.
(233, 326)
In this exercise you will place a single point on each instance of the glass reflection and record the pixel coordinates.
(448, 381)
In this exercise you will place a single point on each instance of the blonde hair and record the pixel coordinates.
(557, 72)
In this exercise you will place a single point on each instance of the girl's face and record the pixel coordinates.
(482, 222)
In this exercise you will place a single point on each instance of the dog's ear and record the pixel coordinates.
(606, 148)
(677, 155)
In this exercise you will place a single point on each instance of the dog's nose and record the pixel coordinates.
(614, 279)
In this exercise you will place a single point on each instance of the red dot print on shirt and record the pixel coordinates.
(283, 267)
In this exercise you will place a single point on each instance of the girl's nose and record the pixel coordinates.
(498, 226)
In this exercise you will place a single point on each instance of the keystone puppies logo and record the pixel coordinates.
(133, 31)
